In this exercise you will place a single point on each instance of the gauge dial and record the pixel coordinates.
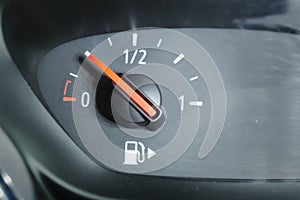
(142, 96)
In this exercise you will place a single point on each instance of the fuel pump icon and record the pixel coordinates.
(132, 156)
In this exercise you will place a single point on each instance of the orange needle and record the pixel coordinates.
(127, 89)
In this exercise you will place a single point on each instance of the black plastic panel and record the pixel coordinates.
(32, 28)
(260, 71)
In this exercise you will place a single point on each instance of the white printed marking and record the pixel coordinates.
(1, 193)
(109, 41)
(134, 39)
(159, 43)
(150, 153)
(87, 53)
(179, 58)
(74, 75)
(7, 179)
(193, 78)
(133, 57)
(196, 103)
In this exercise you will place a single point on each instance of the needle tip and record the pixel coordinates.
(87, 53)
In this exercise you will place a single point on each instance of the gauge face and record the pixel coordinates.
(172, 73)
(140, 98)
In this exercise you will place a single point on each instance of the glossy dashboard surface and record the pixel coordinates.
(260, 145)
(260, 134)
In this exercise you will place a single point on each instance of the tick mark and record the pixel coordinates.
(69, 99)
(110, 42)
(196, 103)
(159, 43)
(179, 58)
(134, 39)
(74, 75)
(193, 78)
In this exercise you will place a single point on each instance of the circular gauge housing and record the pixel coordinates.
(168, 69)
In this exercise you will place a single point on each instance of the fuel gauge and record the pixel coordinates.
(143, 96)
